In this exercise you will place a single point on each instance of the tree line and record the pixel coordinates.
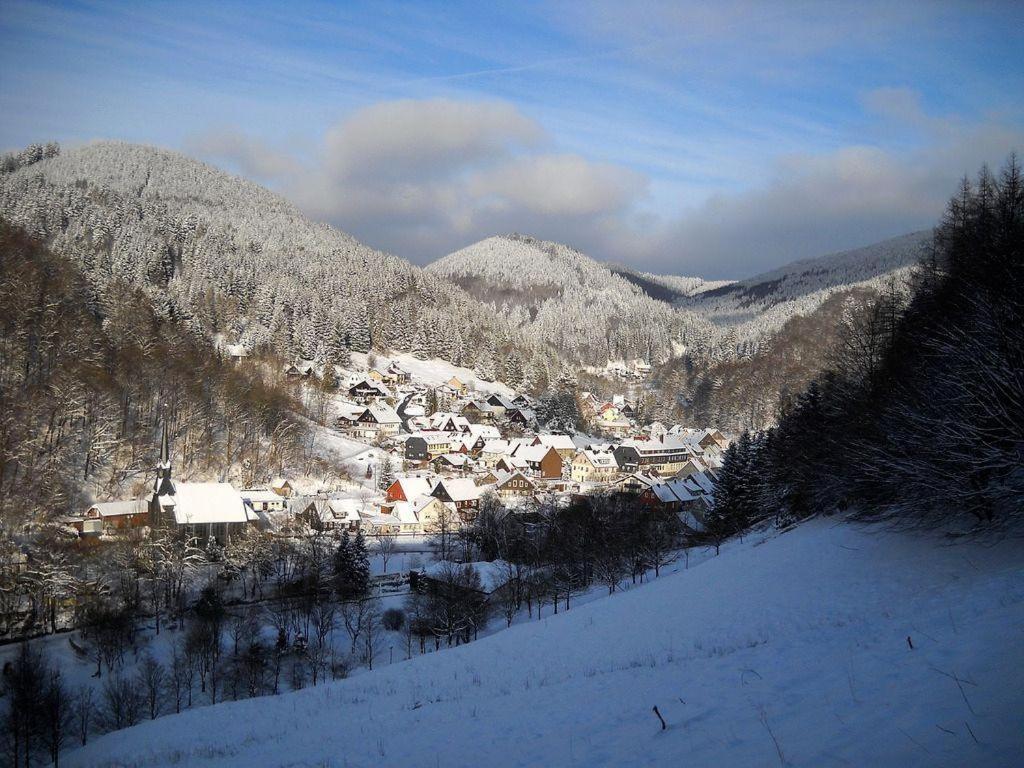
(919, 420)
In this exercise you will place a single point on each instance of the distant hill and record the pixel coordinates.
(757, 307)
(556, 294)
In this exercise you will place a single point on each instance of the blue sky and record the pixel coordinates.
(718, 139)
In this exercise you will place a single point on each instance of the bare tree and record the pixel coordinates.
(385, 544)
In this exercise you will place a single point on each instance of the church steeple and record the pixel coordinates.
(163, 486)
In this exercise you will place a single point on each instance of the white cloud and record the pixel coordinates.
(422, 178)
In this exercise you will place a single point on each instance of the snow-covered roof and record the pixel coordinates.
(460, 488)
(119, 508)
(383, 414)
(198, 503)
(260, 496)
(415, 485)
(558, 442)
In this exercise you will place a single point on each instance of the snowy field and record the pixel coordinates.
(435, 372)
(787, 650)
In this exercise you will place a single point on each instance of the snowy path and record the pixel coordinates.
(787, 651)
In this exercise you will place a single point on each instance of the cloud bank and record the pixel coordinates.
(421, 178)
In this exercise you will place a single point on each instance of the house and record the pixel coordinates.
(479, 411)
(594, 467)
(415, 516)
(323, 514)
(515, 485)
(424, 446)
(562, 443)
(636, 483)
(366, 391)
(459, 494)
(112, 516)
(511, 464)
(500, 404)
(456, 385)
(542, 461)
(409, 487)
(261, 500)
(236, 352)
(398, 374)
(377, 421)
(520, 417)
(451, 462)
(449, 422)
(664, 456)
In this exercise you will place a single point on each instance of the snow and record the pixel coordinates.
(787, 649)
(196, 503)
(435, 372)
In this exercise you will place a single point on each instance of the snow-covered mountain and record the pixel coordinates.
(760, 305)
(823, 645)
(235, 259)
(557, 294)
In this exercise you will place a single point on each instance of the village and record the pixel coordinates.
(428, 454)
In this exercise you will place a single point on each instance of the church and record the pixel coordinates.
(204, 511)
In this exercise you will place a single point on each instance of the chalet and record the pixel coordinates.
(456, 385)
(521, 401)
(500, 404)
(515, 485)
(594, 467)
(377, 421)
(367, 391)
(398, 374)
(236, 352)
(449, 422)
(479, 411)
(375, 374)
(665, 456)
(511, 464)
(636, 483)
(459, 494)
(112, 517)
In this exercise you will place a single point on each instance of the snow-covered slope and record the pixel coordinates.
(234, 258)
(761, 304)
(788, 650)
(559, 295)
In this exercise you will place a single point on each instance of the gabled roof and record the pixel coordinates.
(198, 503)
(120, 508)
(558, 442)
(415, 485)
(459, 488)
(382, 414)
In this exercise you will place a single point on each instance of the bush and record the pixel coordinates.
(394, 619)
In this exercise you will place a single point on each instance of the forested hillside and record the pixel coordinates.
(919, 420)
(557, 295)
(226, 256)
(86, 378)
(752, 310)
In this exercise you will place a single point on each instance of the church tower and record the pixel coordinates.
(162, 485)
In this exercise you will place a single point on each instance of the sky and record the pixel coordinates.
(716, 139)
